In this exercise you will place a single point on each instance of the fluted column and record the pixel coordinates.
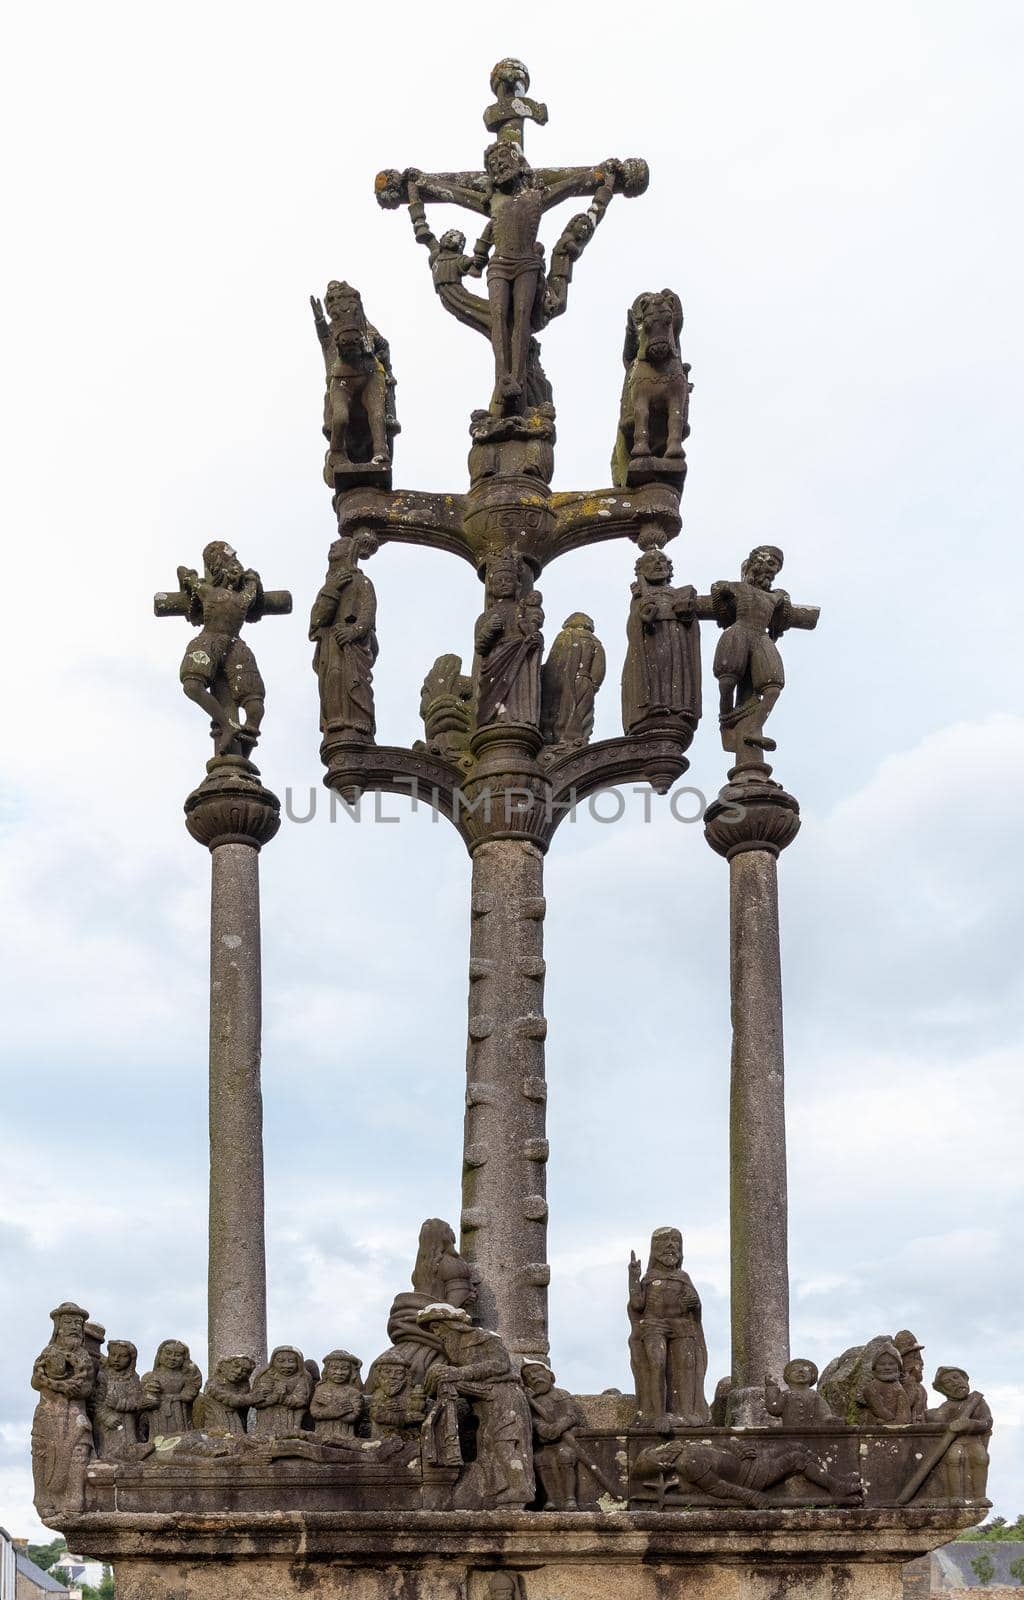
(752, 820)
(234, 815)
(504, 1216)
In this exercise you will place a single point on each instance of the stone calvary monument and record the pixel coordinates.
(454, 1467)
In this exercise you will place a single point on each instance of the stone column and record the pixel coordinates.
(750, 822)
(504, 1216)
(234, 815)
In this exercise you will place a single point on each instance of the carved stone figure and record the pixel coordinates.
(798, 1405)
(661, 675)
(477, 1367)
(170, 1389)
(337, 1403)
(655, 405)
(882, 1395)
(556, 1454)
(396, 1405)
(570, 679)
(223, 1407)
(741, 1469)
(119, 1405)
(912, 1376)
(747, 664)
(667, 1351)
(218, 670)
(509, 645)
(439, 1275)
(513, 197)
(62, 1438)
(342, 626)
(281, 1393)
(446, 706)
(359, 405)
(968, 1421)
(506, 1586)
(843, 1378)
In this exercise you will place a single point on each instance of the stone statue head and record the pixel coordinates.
(444, 1319)
(887, 1366)
(510, 75)
(390, 1374)
(762, 566)
(800, 1373)
(654, 566)
(171, 1355)
(286, 1360)
(235, 1369)
(436, 1241)
(953, 1382)
(69, 1323)
(503, 576)
(222, 564)
(340, 1366)
(580, 227)
(654, 325)
(579, 622)
(538, 1377)
(666, 1250)
(504, 163)
(452, 241)
(121, 1355)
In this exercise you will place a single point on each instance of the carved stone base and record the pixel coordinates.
(752, 812)
(231, 806)
(340, 474)
(713, 1555)
(656, 469)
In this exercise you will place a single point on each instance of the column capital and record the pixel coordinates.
(231, 806)
(751, 812)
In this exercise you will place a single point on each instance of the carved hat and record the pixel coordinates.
(905, 1342)
(343, 1355)
(943, 1373)
(67, 1308)
(440, 1312)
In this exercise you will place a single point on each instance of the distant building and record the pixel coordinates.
(951, 1569)
(32, 1583)
(7, 1566)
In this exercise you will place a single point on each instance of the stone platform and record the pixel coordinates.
(714, 1554)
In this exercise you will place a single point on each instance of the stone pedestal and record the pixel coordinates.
(234, 815)
(751, 821)
(716, 1554)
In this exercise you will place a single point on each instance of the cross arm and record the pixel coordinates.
(179, 602)
(788, 615)
(466, 189)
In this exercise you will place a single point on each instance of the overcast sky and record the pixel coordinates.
(835, 196)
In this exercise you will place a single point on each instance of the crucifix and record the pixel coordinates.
(513, 196)
(218, 670)
(747, 663)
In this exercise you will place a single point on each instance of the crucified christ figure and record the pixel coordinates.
(513, 196)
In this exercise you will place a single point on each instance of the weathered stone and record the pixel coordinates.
(237, 1305)
(218, 670)
(655, 406)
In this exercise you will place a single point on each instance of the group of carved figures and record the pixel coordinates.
(513, 684)
(450, 1393)
(360, 420)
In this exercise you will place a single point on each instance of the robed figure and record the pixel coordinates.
(342, 625)
(570, 679)
(661, 676)
(667, 1350)
(509, 645)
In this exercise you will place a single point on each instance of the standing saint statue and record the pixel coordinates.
(62, 1438)
(661, 675)
(342, 626)
(570, 679)
(666, 1345)
(509, 645)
